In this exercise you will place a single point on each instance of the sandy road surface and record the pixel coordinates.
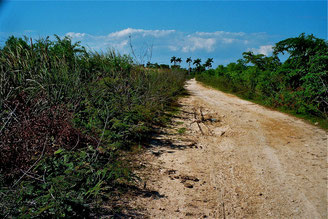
(229, 158)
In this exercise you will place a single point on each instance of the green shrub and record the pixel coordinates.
(72, 112)
(298, 84)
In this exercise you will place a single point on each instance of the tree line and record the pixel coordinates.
(176, 61)
(197, 62)
(299, 84)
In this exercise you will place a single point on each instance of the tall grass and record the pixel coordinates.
(65, 115)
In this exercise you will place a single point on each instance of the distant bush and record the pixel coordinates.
(152, 65)
(163, 66)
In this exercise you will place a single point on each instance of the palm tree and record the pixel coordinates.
(179, 60)
(174, 59)
(208, 63)
(189, 61)
(197, 62)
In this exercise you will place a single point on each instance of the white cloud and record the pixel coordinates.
(220, 45)
(173, 48)
(120, 45)
(171, 40)
(125, 32)
(29, 31)
(75, 35)
(130, 31)
(228, 40)
(265, 50)
(223, 37)
(221, 33)
(198, 43)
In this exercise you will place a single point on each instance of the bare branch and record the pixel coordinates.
(44, 146)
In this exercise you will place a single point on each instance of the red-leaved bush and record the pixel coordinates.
(31, 133)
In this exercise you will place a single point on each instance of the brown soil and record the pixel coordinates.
(229, 158)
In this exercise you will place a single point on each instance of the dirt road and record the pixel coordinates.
(225, 157)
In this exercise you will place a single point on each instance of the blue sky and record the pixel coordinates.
(201, 29)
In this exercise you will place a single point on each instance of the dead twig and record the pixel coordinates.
(201, 114)
(201, 120)
(9, 117)
(200, 128)
(78, 140)
(31, 176)
(197, 121)
(37, 161)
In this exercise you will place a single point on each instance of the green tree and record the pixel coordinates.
(303, 51)
(199, 67)
(197, 62)
(189, 62)
(173, 60)
(305, 71)
(179, 60)
(299, 84)
(208, 63)
(261, 61)
(302, 48)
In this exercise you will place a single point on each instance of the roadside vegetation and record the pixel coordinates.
(297, 85)
(66, 116)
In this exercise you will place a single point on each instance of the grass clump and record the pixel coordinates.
(182, 131)
(66, 114)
